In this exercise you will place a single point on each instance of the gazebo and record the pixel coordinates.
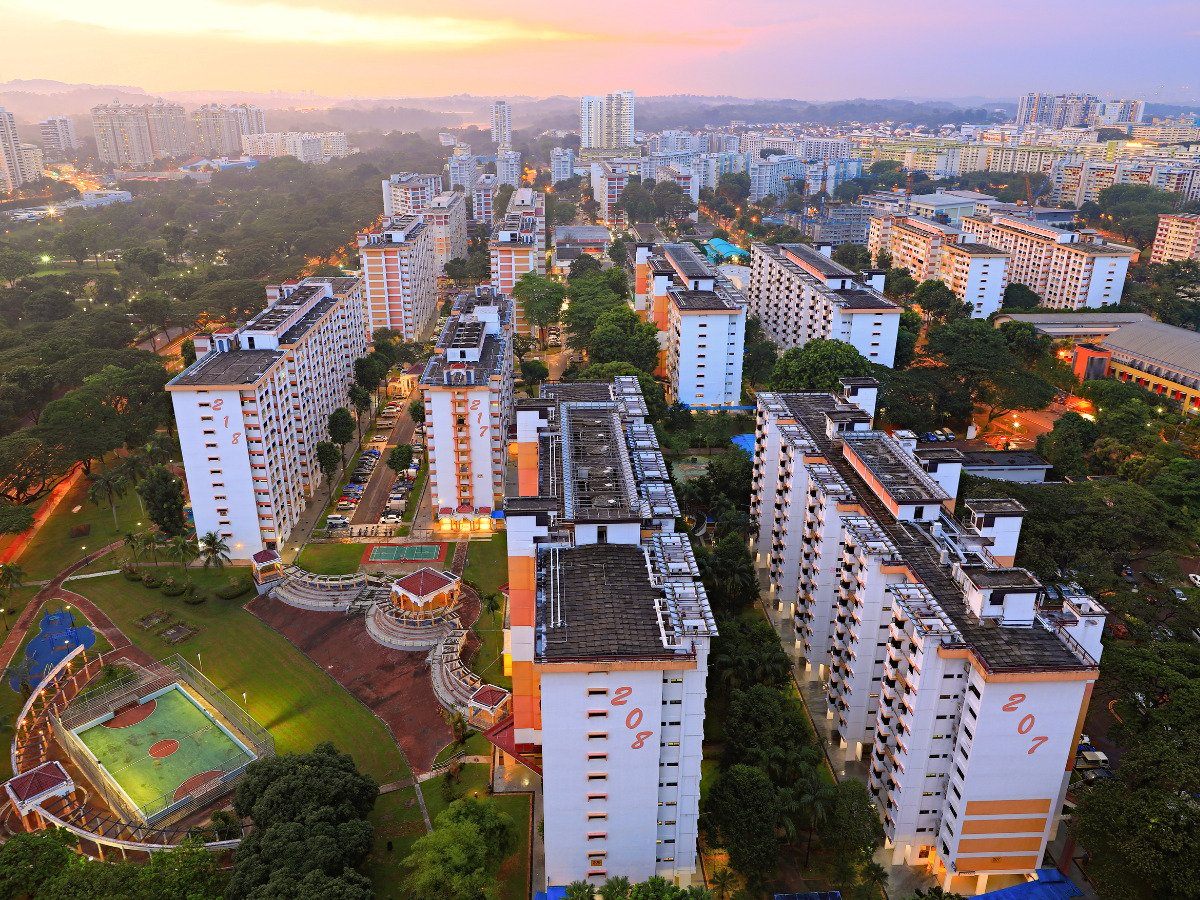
(426, 593)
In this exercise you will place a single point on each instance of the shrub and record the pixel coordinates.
(195, 599)
(152, 582)
(131, 573)
(235, 588)
(172, 588)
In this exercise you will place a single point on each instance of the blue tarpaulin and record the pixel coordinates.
(744, 442)
(1051, 884)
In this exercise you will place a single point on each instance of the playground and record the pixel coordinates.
(159, 749)
(402, 553)
(57, 636)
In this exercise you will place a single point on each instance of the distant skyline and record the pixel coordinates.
(749, 48)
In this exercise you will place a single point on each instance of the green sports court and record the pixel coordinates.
(162, 748)
(391, 553)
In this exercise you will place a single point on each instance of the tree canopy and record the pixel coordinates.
(818, 365)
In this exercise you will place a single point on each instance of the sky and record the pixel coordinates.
(748, 48)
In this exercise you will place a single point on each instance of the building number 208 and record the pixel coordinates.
(633, 719)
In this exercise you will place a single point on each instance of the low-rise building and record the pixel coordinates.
(1158, 357)
(1021, 466)
(467, 387)
(799, 293)
(252, 408)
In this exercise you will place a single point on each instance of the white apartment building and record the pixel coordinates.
(408, 193)
(1080, 182)
(122, 134)
(709, 167)
(334, 144)
(930, 250)
(468, 390)
(799, 293)
(609, 177)
(607, 123)
(400, 273)
(1177, 239)
(827, 175)
(508, 166)
(306, 147)
(608, 638)
(483, 197)
(1113, 112)
(58, 136)
(562, 164)
(169, 133)
(773, 176)
(217, 129)
(518, 245)
(446, 216)
(16, 166)
(1056, 110)
(502, 123)
(462, 168)
(941, 664)
(1069, 270)
(255, 404)
(810, 147)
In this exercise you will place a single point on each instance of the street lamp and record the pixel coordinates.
(4, 613)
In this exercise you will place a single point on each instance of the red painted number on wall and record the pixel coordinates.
(1027, 722)
(633, 718)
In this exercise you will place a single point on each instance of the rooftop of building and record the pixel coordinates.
(895, 470)
(816, 260)
(702, 301)
(229, 369)
(644, 233)
(464, 331)
(1003, 459)
(990, 577)
(425, 581)
(1074, 320)
(578, 391)
(864, 298)
(581, 234)
(686, 261)
(974, 249)
(992, 506)
(1174, 349)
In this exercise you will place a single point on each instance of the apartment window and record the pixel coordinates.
(595, 756)
(597, 692)
(597, 714)
(597, 736)
(597, 776)
(597, 835)
(592, 797)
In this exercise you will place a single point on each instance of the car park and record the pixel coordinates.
(946, 434)
(1091, 759)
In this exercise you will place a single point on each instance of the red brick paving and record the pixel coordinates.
(393, 684)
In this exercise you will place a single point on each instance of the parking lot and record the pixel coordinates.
(374, 483)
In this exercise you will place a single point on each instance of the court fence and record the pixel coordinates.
(104, 700)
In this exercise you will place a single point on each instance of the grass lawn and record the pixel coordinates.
(476, 745)
(487, 567)
(331, 559)
(53, 548)
(397, 818)
(298, 703)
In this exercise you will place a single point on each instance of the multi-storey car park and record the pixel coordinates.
(799, 293)
(608, 637)
(254, 405)
(943, 667)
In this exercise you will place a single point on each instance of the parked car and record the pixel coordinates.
(1091, 776)
(336, 521)
(1155, 578)
(946, 434)
(1091, 759)
(1194, 579)
(929, 436)
(345, 505)
(1178, 594)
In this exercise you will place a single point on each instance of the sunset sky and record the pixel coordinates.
(781, 48)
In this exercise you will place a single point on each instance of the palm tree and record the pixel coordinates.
(615, 888)
(158, 450)
(134, 544)
(11, 576)
(214, 549)
(492, 601)
(153, 541)
(135, 468)
(819, 801)
(722, 883)
(111, 485)
(875, 876)
(184, 549)
(579, 890)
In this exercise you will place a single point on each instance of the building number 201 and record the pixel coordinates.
(1027, 721)
(633, 719)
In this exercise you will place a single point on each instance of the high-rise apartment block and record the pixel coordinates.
(502, 123)
(774, 176)
(607, 640)
(254, 405)
(518, 245)
(609, 178)
(1056, 110)
(943, 666)
(483, 198)
(975, 272)
(129, 135)
(58, 136)
(1177, 239)
(217, 129)
(1068, 269)
(607, 123)
(169, 132)
(562, 164)
(17, 165)
(508, 166)
(462, 168)
(1115, 112)
(409, 193)
(446, 215)
(799, 293)
(400, 272)
(468, 390)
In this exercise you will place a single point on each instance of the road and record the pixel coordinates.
(1022, 429)
(379, 485)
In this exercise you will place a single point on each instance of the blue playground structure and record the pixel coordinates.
(57, 636)
(719, 250)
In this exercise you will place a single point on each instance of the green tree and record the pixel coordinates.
(15, 519)
(1019, 296)
(618, 253)
(162, 493)
(360, 399)
(818, 365)
(187, 352)
(742, 810)
(31, 860)
(109, 486)
(185, 549)
(854, 257)
(400, 458)
(621, 336)
(534, 372)
(15, 265)
(214, 549)
(329, 458)
(416, 410)
(723, 882)
(1067, 445)
(541, 300)
(342, 428)
(938, 302)
(586, 264)
(497, 828)
(854, 830)
(449, 863)
(579, 890)
(899, 284)
(74, 242)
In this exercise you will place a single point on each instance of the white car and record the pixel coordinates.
(336, 522)
(390, 519)
(1194, 579)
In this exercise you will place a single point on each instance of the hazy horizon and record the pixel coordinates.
(752, 49)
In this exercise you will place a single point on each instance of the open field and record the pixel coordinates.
(331, 559)
(487, 567)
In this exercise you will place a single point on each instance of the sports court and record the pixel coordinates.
(399, 553)
(162, 748)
